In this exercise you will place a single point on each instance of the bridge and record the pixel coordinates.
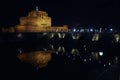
(77, 35)
(61, 35)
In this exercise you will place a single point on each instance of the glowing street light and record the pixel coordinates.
(101, 53)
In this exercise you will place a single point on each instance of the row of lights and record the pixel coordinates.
(91, 30)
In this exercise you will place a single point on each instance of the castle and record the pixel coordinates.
(36, 21)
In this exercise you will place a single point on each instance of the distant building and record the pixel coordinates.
(36, 21)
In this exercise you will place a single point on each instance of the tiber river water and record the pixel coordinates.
(76, 60)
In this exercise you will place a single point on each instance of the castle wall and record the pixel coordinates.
(36, 21)
(41, 29)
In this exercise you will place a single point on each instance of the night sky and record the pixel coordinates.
(63, 11)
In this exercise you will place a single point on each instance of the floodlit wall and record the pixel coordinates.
(36, 21)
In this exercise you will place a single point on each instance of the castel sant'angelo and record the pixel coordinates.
(36, 21)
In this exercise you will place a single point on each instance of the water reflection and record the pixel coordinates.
(37, 58)
(40, 58)
(95, 55)
(116, 59)
(75, 51)
(61, 49)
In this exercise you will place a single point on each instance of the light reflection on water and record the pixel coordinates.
(81, 59)
(37, 58)
(64, 61)
(41, 58)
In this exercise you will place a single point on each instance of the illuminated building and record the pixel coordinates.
(38, 58)
(36, 21)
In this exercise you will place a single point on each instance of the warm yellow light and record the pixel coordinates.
(38, 58)
(95, 37)
(117, 37)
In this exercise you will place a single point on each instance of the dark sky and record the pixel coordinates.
(63, 11)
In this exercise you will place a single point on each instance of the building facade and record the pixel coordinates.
(36, 21)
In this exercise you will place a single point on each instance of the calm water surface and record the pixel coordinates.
(75, 60)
